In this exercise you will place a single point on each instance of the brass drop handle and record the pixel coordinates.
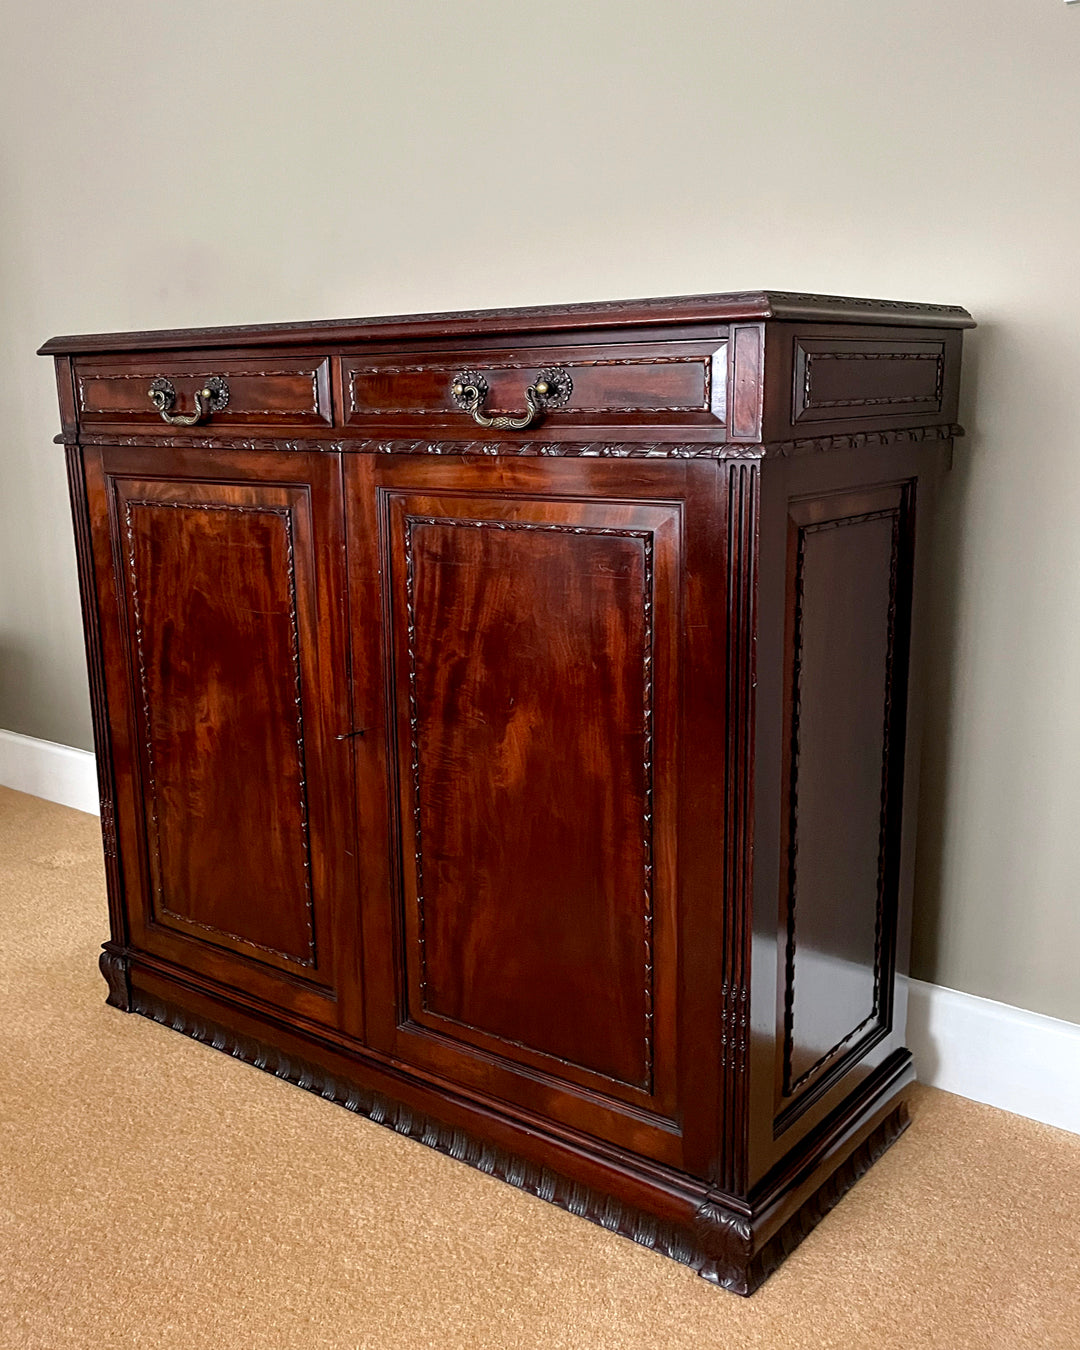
(211, 398)
(472, 398)
(551, 389)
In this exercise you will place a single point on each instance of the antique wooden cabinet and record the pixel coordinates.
(504, 729)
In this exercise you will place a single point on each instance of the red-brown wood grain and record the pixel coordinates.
(529, 710)
(532, 667)
(225, 692)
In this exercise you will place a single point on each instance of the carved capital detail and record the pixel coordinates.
(108, 827)
(726, 1241)
(734, 1027)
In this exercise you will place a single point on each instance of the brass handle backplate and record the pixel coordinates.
(551, 389)
(211, 398)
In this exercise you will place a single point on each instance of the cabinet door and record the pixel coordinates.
(221, 588)
(531, 655)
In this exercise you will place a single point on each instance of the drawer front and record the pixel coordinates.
(266, 390)
(677, 383)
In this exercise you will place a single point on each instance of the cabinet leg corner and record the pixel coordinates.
(116, 968)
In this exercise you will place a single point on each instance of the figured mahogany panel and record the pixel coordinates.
(529, 684)
(221, 585)
(525, 652)
(849, 610)
(212, 592)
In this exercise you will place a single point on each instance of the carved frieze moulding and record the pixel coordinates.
(803, 445)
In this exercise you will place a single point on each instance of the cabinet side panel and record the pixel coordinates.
(849, 585)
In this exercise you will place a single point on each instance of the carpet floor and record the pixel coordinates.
(156, 1193)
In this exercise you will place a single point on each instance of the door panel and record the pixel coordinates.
(213, 609)
(528, 653)
(531, 659)
(226, 631)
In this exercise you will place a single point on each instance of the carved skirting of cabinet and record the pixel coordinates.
(540, 788)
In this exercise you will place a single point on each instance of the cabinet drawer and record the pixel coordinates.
(288, 390)
(661, 383)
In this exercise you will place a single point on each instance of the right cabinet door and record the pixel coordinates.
(531, 655)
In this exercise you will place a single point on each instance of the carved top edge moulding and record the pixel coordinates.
(732, 307)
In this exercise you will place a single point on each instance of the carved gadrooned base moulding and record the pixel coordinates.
(718, 1244)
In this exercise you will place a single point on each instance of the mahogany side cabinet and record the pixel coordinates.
(506, 725)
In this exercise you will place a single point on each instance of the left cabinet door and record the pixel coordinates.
(221, 596)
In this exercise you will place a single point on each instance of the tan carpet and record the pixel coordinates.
(156, 1193)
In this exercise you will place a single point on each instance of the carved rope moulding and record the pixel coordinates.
(803, 445)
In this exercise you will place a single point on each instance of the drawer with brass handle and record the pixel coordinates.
(660, 383)
(167, 392)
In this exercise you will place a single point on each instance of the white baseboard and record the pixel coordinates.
(1019, 1061)
(989, 1052)
(59, 773)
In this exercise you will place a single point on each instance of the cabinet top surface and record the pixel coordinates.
(723, 308)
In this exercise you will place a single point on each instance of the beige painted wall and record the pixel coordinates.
(191, 163)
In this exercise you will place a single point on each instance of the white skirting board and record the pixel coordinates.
(1019, 1061)
(990, 1052)
(59, 773)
